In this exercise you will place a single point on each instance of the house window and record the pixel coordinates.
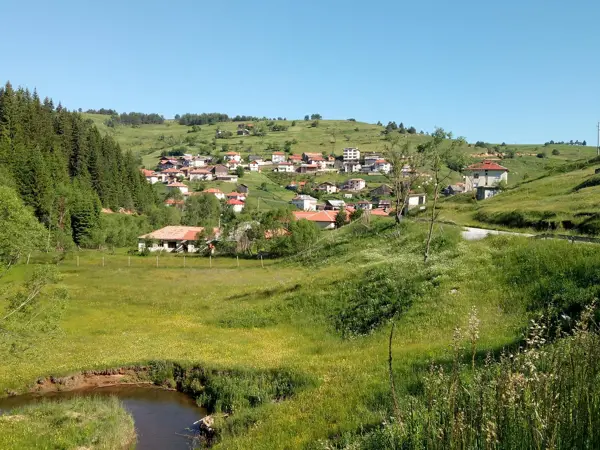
(476, 176)
(172, 244)
(421, 200)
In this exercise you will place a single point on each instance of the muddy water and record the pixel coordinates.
(163, 419)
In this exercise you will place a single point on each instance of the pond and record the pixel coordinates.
(163, 419)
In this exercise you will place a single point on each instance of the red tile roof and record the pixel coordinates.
(278, 153)
(234, 201)
(486, 165)
(235, 194)
(212, 191)
(174, 233)
(176, 184)
(316, 216)
(172, 201)
(380, 212)
(232, 154)
(147, 173)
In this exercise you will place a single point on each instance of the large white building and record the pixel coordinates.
(351, 154)
(305, 202)
(484, 177)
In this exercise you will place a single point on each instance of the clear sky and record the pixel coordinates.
(523, 71)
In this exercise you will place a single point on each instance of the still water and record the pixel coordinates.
(162, 418)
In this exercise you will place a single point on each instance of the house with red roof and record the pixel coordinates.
(177, 185)
(284, 167)
(295, 159)
(484, 177)
(323, 219)
(214, 191)
(204, 174)
(278, 157)
(233, 156)
(381, 165)
(150, 175)
(236, 196)
(236, 205)
(175, 239)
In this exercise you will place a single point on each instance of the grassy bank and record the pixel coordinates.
(82, 422)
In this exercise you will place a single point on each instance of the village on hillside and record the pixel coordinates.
(484, 179)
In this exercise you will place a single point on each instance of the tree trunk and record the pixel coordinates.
(430, 234)
(392, 383)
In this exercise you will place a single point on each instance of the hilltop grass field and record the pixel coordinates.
(280, 316)
(331, 136)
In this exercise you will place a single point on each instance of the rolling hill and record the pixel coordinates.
(543, 187)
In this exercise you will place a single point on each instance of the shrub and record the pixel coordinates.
(555, 152)
(542, 155)
(368, 302)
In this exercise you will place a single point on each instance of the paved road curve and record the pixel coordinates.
(475, 234)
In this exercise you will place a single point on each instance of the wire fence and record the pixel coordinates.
(87, 260)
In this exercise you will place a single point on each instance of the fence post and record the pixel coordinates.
(103, 261)
(210, 261)
(129, 261)
(156, 260)
(261, 262)
(28, 256)
(237, 257)
(77, 260)
(184, 261)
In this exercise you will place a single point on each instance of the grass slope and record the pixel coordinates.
(81, 422)
(272, 318)
(560, 201)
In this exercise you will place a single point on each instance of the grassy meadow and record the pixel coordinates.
(281, 316)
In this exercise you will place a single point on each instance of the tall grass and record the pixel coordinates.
(542, 395)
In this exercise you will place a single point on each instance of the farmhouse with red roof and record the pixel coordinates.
(175, 239)
(484, 177)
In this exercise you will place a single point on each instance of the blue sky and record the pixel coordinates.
(521, 71)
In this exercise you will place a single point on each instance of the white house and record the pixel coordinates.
(173, 239)
(233, 156)
(198, 162)
(486, 174)
(327, 187)
(363, 204)
(200, 175)
(177, 185)
(151, 176)
(236, 205)
(355, 184)
(284, 167)
(352, 166)
(254, 166)
(417, 201)
(381, 165)
(305, 202)
(278, 157)
(216, 192)
(351, 154)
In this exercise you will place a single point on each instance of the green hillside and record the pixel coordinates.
(534, 201)
(563, 201)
